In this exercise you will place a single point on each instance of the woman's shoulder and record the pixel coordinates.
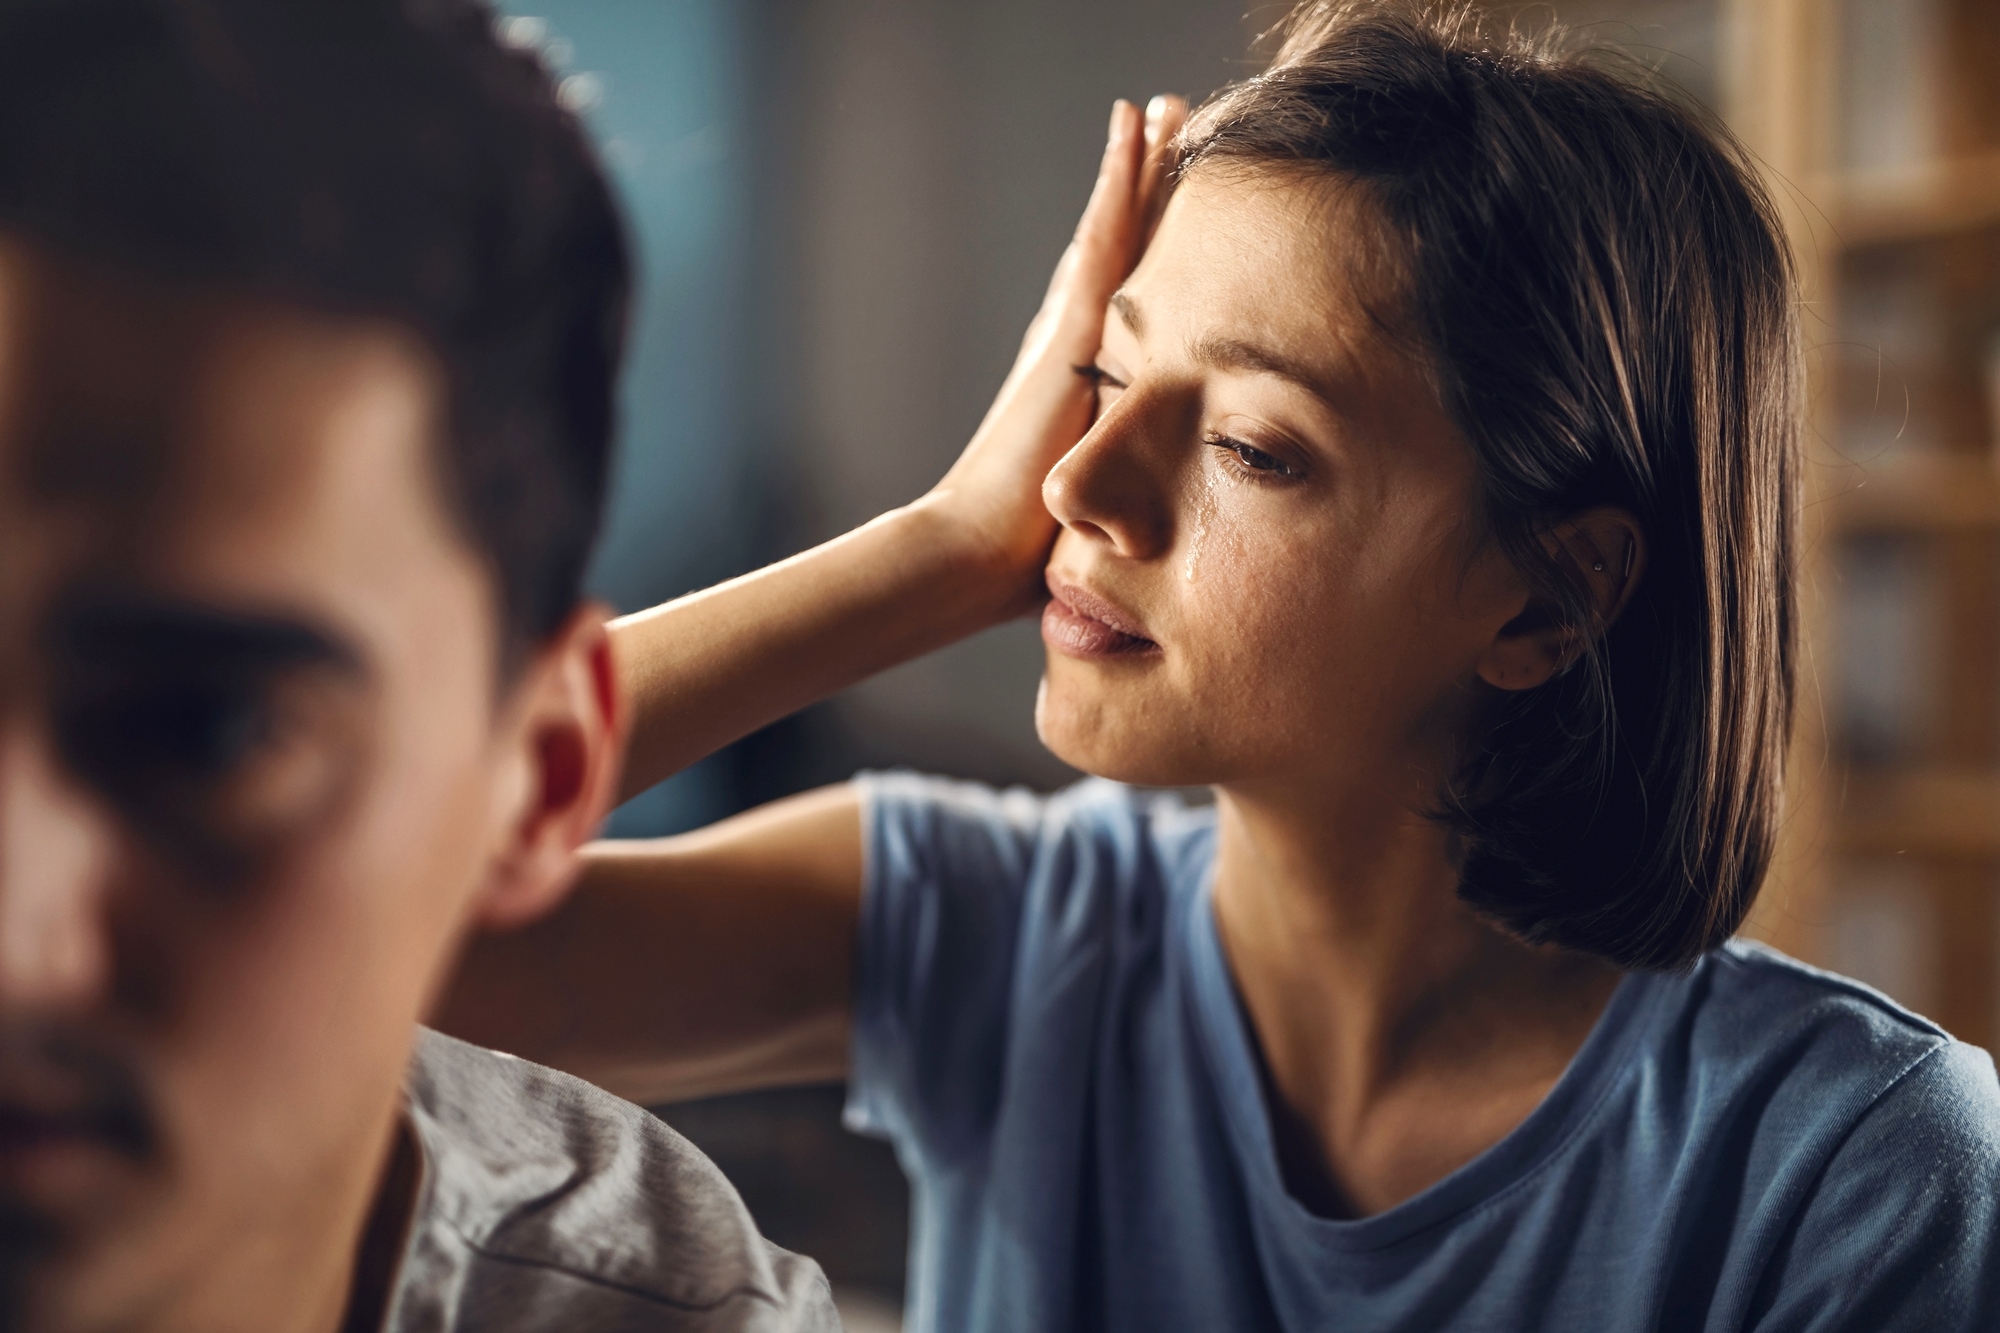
(1868, 1132)
(1752, 993)
(995, 925)
(1102, 832)
(1829, 1049)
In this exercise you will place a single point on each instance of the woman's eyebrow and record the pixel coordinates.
(1220, 353)
(1128, 310)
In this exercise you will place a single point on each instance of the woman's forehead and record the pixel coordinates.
(1291, 265)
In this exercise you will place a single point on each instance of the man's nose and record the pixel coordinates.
(56, 848)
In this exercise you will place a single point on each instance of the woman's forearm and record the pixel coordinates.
(716, 665)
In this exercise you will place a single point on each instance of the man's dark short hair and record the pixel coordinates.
(375, 157)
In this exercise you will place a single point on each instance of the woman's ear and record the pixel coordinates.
(1604, 551)
(563, 742)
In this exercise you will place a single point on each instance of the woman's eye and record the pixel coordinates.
(1251, 458)
(1105, 386)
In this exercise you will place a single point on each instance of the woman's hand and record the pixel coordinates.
(716, 665)
(993, 494)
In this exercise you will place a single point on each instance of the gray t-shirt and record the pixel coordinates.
(548, 1204)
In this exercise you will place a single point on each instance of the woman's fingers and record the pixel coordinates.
(1132, 183)
(1104, 234)
(1165, 115)
(1107, 219)
(994, 490)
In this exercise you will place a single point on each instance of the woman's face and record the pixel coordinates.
(1267, 568)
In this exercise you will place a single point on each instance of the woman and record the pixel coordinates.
(1436, 509)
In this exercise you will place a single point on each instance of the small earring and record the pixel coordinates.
(1599, 566)
(1630, 547)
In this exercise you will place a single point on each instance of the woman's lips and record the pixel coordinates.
(1081, 624)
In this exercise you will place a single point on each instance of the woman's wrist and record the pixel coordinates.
(981, 576)
(715, 665)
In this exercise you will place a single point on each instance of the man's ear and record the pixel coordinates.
(564, 732)
(1604, 552)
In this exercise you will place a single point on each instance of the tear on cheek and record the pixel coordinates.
(1205, 504)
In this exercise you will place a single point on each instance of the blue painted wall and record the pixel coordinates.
(660, 83)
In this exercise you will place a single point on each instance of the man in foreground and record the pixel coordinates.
(310, 312)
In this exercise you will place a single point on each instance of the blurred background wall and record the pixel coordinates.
(847, 210)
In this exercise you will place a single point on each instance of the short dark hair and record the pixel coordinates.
(1604, 297)
(377, 157)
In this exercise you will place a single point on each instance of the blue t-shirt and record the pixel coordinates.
(1047, 1030)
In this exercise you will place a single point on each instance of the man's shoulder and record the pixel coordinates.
(547, 1202)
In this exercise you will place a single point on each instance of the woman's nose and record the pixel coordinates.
(1112, 487)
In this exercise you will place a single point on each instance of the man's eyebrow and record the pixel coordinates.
(149, 632)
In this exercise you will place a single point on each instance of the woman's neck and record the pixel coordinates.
(1401, 1035)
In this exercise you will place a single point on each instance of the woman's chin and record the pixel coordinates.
(1104, 741)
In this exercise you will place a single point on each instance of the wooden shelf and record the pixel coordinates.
(1790, 78)
(1941, 812)
(1937, 199)
(1918, 493)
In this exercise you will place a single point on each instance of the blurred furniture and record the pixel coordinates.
(1880, 123)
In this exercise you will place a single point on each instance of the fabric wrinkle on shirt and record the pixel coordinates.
(548, 1204)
